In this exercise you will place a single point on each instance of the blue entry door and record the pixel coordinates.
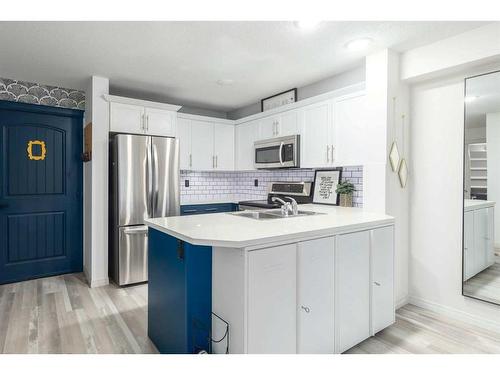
(40, 191)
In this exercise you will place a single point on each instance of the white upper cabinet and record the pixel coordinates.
(184, 136)
(224, 146)
(279, 126)
(316, 133)
(289, 123)
(126, 118)
(349, 117)
(202, 145)
(245, 136)
(133, 116)
(205, 145)
(160, 122)
(269, 127)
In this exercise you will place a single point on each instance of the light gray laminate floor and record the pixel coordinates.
(62, 315)
(485, 285)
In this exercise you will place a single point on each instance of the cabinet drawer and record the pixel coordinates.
(197, 209)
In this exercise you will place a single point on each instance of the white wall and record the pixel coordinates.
(493, 156)
(436, 137)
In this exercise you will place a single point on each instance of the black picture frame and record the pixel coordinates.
(278, 94)
(337, 200)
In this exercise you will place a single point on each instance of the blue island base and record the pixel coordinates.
(179, 294)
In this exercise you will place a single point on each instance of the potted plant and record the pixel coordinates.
(345, 189)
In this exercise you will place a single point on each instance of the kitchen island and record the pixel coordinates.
(317, 283)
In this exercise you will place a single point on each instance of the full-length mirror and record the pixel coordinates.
(481, 241)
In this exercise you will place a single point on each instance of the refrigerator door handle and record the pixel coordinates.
(149, 178)
(155, 181)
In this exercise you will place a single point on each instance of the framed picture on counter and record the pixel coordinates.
(325, 184)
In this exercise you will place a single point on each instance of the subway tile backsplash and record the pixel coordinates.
(235, 186)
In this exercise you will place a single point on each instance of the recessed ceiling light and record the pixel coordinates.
(225, 82)
(470, 98)
(307, 24)
(358, 44)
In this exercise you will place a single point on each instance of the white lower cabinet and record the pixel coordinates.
(352, 289)
(479, 248)
(469, 261)
(320, 296)
(272, 300)
(315, 296)
(382, 278)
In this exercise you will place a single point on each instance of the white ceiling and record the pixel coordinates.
(180, 62)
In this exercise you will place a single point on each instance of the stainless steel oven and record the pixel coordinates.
(282, 152)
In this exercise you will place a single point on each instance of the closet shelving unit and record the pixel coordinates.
(478, 170)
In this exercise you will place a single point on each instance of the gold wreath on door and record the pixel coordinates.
(43, 150)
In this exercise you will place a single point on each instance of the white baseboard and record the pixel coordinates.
(456, 314)
(402, 301)
(98, 283)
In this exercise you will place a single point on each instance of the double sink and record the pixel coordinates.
(273, 214)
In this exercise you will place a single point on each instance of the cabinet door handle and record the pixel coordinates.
(333, 148)
(142, 123)
(190, 160)
(216, 161)
(327, 153)
(377, 284)
(306, 309)
(147, 122)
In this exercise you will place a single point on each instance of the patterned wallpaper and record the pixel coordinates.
(34, 93)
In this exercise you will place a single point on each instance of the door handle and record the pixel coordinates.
(141, 230)
(280, 151)
(333, 148)
(149, 179)
(327, 153)
(306, 309)
(376, 283)
(155, 182)
(216, 161)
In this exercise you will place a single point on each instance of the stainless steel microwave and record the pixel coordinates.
(282, 152)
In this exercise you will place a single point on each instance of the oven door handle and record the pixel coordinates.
(280, 152)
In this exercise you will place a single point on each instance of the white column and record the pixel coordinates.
(381, 188)
(96, 185)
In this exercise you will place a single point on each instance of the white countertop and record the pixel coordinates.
(474, 204)
(228, 230)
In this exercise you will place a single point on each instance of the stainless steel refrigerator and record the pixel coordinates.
(144, 183)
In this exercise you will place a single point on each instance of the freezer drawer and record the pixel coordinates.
(132, 255)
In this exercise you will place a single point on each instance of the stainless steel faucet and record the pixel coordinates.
(295, 206)
(285, 206)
